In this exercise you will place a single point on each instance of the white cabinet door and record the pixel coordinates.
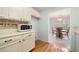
(19, 47)
(35, 13)
(28, 43)
(19, 13)
(28, 17)
(4, 12)
(16, 13)
(27, 14)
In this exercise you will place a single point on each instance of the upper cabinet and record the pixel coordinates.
(34, 13)
(3, 12)
(18, 13)
(27, 14)
(15, 13)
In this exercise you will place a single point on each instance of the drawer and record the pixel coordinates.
(12, 47)
(28, 35)
(9, 40)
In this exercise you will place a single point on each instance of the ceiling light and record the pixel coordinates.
(59, 19)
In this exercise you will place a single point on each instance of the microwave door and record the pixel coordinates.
(24, 27)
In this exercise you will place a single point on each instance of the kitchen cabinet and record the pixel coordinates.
(4, 12)
(27, 14)
(19, 13)
(19, 46)
(16, 13)
(35, 13)
(28, 43)
(9, 44)
(10, 48)
(20, 43)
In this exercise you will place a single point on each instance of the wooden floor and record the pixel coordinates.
(45, 47)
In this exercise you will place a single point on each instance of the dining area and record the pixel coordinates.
(60, 26)
(60, 37)
(61, 32)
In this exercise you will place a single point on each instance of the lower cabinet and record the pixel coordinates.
(25, 43)
(28, 44)
(11, 48)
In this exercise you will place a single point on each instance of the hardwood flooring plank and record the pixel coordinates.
(45, 47)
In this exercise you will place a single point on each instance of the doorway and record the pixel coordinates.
(35, 27)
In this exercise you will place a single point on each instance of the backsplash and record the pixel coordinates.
(6, 24)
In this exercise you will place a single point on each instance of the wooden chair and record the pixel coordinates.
(66, 32)
(59, 32)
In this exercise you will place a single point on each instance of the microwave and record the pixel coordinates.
(24, 27)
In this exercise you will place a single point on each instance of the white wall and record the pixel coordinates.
(35, 27)
(44, 23)
(74, 16)
(60, 12)
(74, 22)
(43, 28)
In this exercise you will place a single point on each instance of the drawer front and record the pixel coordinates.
(10, 48)
(9, 40)
(10, 44)
(28, 35)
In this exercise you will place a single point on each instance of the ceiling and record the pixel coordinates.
(46, 8)
(42, 8)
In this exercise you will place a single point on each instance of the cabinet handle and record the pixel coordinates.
(29, 35)
(8, 40)
(23, 40)
(19, 41)
(5, 41)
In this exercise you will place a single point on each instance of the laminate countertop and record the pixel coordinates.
(12, 32)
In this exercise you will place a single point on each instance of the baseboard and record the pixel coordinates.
(41, 39)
